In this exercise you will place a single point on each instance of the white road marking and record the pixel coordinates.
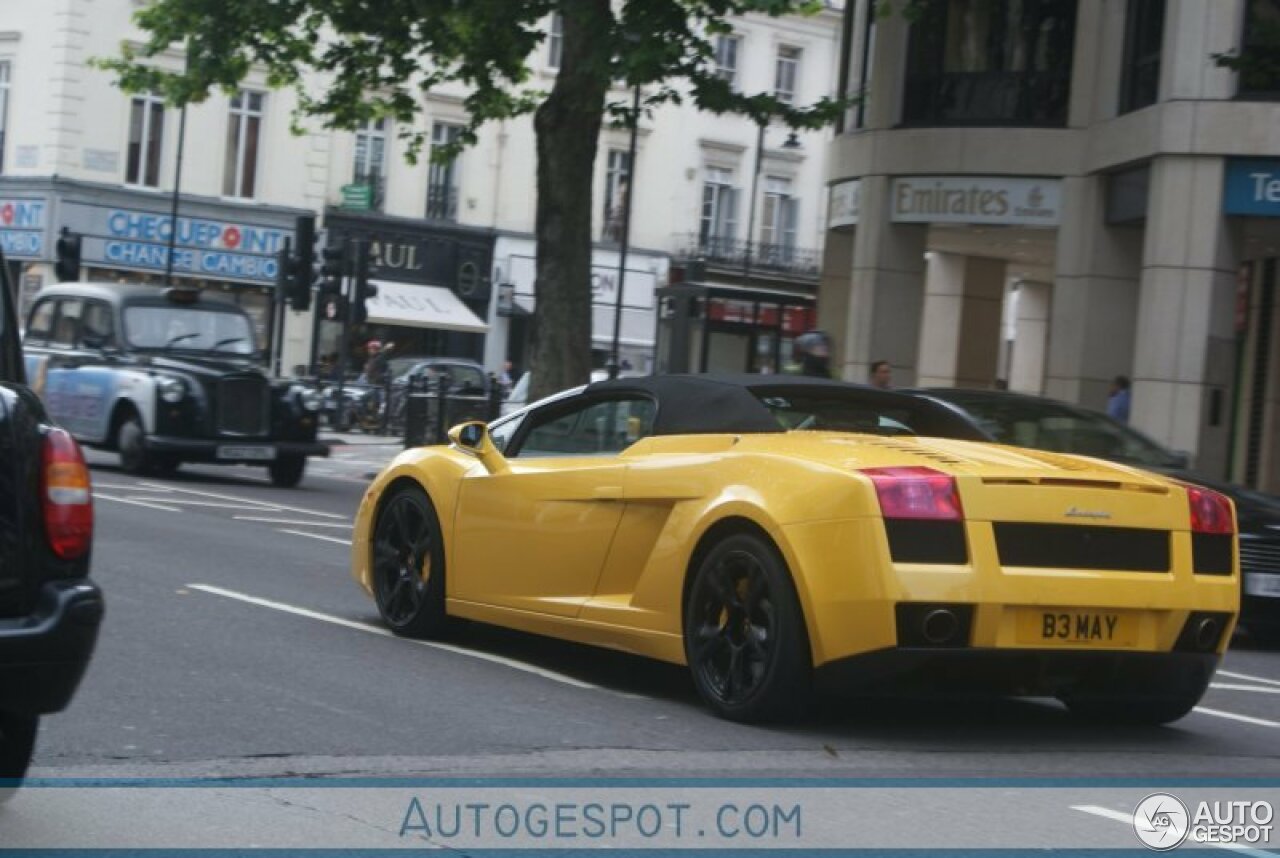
(1248, 719)
(130, 488)
(1247, 677)
(378, 630)
(1228, 686)
(100, 496)
(269, 520)
(195, 502)
(1127, 819)
(315, 536)
(263, 505)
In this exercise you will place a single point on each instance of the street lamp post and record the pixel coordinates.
(793, 142)
(751, 208)
(615, 365)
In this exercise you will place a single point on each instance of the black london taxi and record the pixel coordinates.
(166, 376)
(50, 610)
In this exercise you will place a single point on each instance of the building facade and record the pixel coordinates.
(1051, 193)
(748, 202)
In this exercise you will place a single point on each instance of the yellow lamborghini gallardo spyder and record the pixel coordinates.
(777, 533)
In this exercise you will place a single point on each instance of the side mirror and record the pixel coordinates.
(473, 439)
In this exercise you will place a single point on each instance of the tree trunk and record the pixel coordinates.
(567, 125)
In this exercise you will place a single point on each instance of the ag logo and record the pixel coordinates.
(1161, 822)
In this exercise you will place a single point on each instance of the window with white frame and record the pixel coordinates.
(371, 158)
(442, 176)
(727, 48)
(778, 224)
(146, 141)
(4, 109)
(616, 183)
(555, 41)
(719, 222)
(244, 136)
(786, 73)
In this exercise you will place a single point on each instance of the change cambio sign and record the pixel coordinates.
(204, 247)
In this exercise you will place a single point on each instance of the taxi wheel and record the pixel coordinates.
(408, 565)
(744, 633)
(286, 472)
(17, 744)
(130, 439)
(1131, 709)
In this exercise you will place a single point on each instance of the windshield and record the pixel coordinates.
(844, 411)
(1046, 425)
(188, 329)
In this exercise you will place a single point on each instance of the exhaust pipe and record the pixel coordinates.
(1207, 634)
(940, 626)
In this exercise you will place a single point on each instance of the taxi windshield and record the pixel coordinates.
(188, 329)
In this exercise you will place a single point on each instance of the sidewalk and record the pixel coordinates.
(356, 439)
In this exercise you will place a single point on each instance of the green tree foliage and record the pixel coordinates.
(351, 60)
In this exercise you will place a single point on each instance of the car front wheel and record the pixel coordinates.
(744, 633)
(408, 565)
(286, 472)
(131, 443)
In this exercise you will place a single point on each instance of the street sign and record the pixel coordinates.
(357, 197)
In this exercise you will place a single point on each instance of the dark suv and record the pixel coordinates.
(49, 609)
(166, 376)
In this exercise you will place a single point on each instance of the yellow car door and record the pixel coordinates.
(535, 538)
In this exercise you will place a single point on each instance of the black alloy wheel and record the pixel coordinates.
(745, 638)
(408, 565)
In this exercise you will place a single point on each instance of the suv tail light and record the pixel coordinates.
(65, 496)
(916, 493)
(1210, 511)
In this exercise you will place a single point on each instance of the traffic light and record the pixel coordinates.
(364, 289)
(298, 286)
(333, 267)
(67, 266)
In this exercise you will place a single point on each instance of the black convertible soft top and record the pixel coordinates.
(713, 403)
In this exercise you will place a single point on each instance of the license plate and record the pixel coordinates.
(249, 452)
(1077, 627)
(1262, 584)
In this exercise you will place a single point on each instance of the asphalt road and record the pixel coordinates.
(236, 644)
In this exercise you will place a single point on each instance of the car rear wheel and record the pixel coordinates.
(131, 443)
(286, 472)
(408, 565)
(744, 633)
(17, 743)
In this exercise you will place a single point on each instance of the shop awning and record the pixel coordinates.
(421, 307)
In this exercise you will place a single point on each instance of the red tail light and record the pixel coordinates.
(916, 493)
(1210, 511)
(65, 496)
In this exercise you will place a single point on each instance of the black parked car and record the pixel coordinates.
(166, 376)
(1045, 424)
(49, 609)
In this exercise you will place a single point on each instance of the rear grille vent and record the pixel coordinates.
(1075, 483)
(1259, 556)
(916, 450)
(1071, 546)
(243, 406)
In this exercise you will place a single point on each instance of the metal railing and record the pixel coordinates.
(442, 202)
(430, 409)
(765, 257)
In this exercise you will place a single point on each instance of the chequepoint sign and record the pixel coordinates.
(995, 200)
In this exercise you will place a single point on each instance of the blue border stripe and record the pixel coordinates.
(465, 782)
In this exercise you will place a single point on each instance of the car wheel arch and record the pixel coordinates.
(120, 413)
(738, 523)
